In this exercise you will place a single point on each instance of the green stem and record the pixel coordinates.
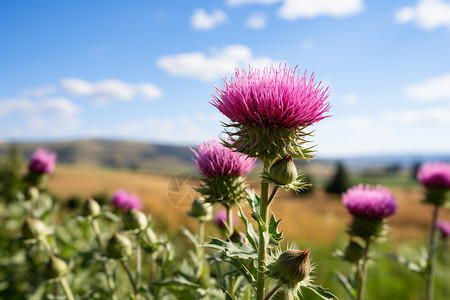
(262, 247)
(66, 289)
(200, 248)
(431, 255)
(229, 221)
(362, 272)
(151, 277)
(138, 265)
(272, 292)
(109, 280)
(130, 277)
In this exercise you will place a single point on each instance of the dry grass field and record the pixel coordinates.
(316, 217)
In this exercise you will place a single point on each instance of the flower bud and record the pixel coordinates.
(90, 208)
(293, 266)
(135, 219)
(56, 267)
(201, 210)
(32, 193)
(119, 246)
(354, 252)
(148, 240)
(283, 171)
(33, 228)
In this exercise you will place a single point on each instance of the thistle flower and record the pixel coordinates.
(90, 208)
(124, 200)
(370, 202)
(369, 207)
(134, 220)
(221, 218)
(42, 161)
(215, 160)
(269, 109)
(201, 210)
(435, 175)
(444, 228)
(223, 170)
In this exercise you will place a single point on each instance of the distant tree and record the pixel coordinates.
(414, 170)
(340, 182)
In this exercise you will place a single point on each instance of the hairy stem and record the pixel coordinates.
(431, 256)
(272, 292)
(362, 271)
(130, 277)
(200, 248)
(66, 289)
(109, 280)
(262, 247)
(229, 221)
(138, 265)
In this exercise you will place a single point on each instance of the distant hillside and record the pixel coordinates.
(115, 154)
(176, 159)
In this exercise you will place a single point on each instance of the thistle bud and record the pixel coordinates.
(293, 266)
(201, 210)
(354, 252)
(56, 267)
(32, 193)
(148, 240)
(33, 228)
(135, 219)
(90, 208)
(119, 246)
(283, 171)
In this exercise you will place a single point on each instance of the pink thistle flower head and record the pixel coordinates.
(125, 201)
(274, 96)
(444, 228)
(42, 161)
(221, 219)
(435, 175)
(370, 202)
(215, 160)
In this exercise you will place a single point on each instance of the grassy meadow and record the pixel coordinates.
(316, 220)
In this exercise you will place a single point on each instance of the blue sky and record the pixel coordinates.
(145, 70)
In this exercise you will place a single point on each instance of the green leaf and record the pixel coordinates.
(255, 203)
(189, 235)
(274, 235)
(251, 235)
(239, 250)
(176, 281)
(407, 263)
(346, 284)
(320, 291)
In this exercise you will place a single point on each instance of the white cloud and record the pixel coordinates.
(39, 92)
(432, 89)
(51, 117)
(419, 116)
(240, 2)
(180, 129)
(61, 106)
(202, 21)
(256, 21)
(295, 9)
(201, 66)
(350, 98)
(108, 89)
(426, 14)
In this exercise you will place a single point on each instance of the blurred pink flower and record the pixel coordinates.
(274, 96)
(215, 160)
(370, 202)
(221, 218)
(444, 228)
(435, 175)
(124, 201)
(42, 161)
